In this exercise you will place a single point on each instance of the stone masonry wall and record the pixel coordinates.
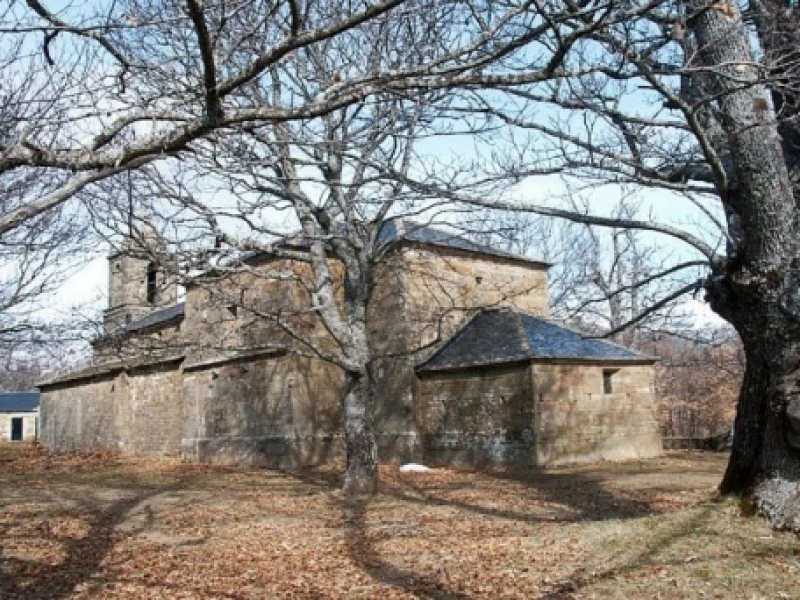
(29, 427)
(127, 289)
(279, 412)
(79, 416)
(477, 417)
(576, 421)
(423, 296)
(444, 286)
(233, 312)
(149, 411)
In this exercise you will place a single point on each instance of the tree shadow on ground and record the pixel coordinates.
(578, 497)
(361, 549)
(656, 543)
(83, 557)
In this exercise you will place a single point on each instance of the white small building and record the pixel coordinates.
(19, 416)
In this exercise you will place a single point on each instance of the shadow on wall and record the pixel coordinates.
(79, 418)
(277, 413)
(478, 417)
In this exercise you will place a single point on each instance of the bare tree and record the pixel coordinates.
(314, 195)
(174, 73)
(697, 99)
(698, 382)
(37, 259)
(602, 279)
(688, 97)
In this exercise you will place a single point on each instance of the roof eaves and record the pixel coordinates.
(104, 371)
(491, 363)
(492, 253)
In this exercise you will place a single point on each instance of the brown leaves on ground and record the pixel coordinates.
(102, 526)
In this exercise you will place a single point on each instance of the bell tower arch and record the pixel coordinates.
(140, 278)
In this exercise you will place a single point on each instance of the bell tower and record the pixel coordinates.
(140, 279)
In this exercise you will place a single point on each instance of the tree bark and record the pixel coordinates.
(757, 288)
(361, 476)
(765, 460)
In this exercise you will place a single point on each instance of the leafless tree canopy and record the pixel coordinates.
(318, 108)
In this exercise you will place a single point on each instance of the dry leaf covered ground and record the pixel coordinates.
(100, 526)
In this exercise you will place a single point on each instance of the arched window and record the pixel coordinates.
(152, 284)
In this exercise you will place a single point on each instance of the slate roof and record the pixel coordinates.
(504, 336)
(158, 317)
(396, 230)
(18, 401)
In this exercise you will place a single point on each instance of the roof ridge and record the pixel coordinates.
(523, 338)
(452, 339)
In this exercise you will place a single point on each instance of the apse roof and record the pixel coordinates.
(504, 336)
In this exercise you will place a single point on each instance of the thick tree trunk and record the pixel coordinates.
(757, 288)
(765, 461)
(361, 476)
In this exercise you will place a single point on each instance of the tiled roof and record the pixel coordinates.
(504, 336)
(396, 230)
(157, 317)
(18, 401)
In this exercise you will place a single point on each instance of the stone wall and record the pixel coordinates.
(481, 416)
(164, 339)
(263, 408)
(29, 425)
(127, 288)
(149, 410)
(280, 412)
(543, 414)
(238, 311)
(444, 286)
(423, 296)
(80, 415)
(577, 421)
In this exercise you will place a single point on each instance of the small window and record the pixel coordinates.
(151, 284)
(608, 380)
(233, 310)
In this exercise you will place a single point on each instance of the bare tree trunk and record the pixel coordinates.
(756, 289)
(361, 477)
(765, 461)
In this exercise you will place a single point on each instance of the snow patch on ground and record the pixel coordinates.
(414, 468)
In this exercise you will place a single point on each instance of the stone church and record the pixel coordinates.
(470, 370)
